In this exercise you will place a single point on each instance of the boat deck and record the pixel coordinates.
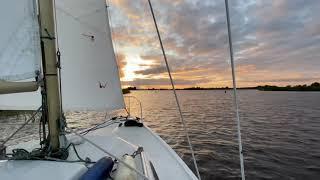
(112, 138)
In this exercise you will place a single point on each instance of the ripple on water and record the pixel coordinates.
(280, 131)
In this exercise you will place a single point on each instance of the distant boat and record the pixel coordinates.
(75, 37)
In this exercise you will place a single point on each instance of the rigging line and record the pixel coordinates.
(114, 44)
(235, 98)
(58, 59)
(110, 154)
(174, 91)
(105, 124)
(16, 131)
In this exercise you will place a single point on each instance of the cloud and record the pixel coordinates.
(152, 71)
(121, 60)
(162, 83)
(277, 39)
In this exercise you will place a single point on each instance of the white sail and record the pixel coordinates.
(89, 74)
(90, 78)
(20, 52)
(21, 101)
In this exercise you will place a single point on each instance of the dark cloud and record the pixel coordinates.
(152, 71)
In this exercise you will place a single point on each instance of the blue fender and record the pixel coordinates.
(100, 170)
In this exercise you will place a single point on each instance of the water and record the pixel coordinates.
(281, 131)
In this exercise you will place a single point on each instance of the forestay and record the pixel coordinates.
(90, 78)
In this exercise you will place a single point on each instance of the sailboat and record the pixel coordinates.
(57, 56)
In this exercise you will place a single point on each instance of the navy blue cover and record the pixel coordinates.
(100, 170)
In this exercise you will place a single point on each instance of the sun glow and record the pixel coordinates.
(134, 63)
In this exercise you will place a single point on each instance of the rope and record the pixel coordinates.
(87, 160)
(174, 91)
(99, 126)
(44, 155)
(62, 119)
(235, 98)
(58, 56)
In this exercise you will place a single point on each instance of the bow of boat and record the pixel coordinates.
(151, 155)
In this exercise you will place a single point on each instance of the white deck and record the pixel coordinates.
(117, 140)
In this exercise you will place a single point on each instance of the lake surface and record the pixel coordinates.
(280, 131)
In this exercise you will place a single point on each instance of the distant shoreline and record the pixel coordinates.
(313, 87)
(200, 89)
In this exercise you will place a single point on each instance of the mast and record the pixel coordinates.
(47, 31)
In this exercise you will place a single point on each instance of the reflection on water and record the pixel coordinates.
(280, 131)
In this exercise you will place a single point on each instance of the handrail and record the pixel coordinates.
(129, 105)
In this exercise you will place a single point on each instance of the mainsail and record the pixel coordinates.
(20, 53)
(89, 74)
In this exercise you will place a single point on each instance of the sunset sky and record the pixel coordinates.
(276, 42)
